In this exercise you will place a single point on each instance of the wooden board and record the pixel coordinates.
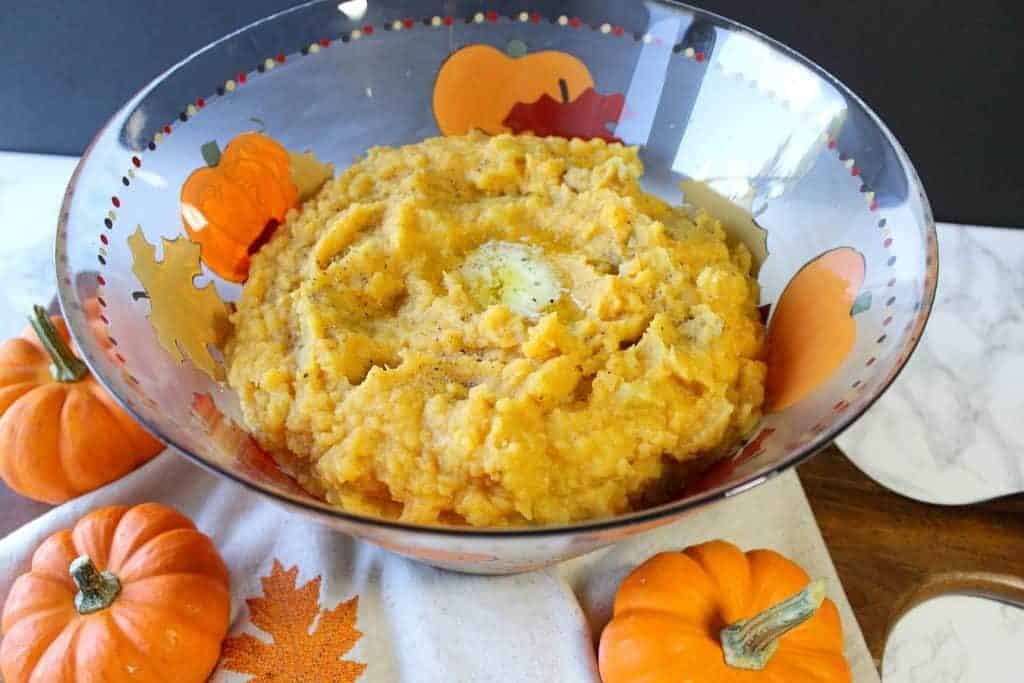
(884, 545)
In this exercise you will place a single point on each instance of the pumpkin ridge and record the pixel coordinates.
(124, 544)
(132, 602)
(65, 454)
(31, 623)
(127, 572)
(141, 440)
(22, 420)
(123, 617)
(123, 637)
(72, 628)
(96, 393)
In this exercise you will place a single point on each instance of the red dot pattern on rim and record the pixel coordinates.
(448, 20)
(103, 318)
(200, 103)
(101, 301)
(136, 162)
(241, 78)
(699, 56)
(99, 279)
(618, 30)
(575, 22)
(408, 22)
(832, 144)
(535, 18)
(325, 42)
(492, 16)
(874, 205)
(368, 30)
(887, 321)
(116, 202)
(167, 130)
(871, 361)
(103, 238)
(280, 58)
(887, 243)
(854, 171)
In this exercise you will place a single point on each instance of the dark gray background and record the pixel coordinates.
(944, 75)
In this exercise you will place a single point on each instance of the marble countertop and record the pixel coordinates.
(944, 432)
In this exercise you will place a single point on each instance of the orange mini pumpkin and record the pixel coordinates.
(130, 594)
(61, 434)
(231, 207)
(714, 614)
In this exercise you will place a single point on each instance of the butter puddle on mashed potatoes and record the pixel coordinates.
(497, 331)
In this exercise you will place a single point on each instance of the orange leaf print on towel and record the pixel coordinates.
(298, 653)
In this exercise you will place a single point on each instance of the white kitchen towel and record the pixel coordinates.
(420, 624)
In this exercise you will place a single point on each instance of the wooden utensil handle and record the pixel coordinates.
(1000, 587)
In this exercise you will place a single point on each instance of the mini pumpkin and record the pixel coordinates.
(61, 434)
(715, 614)
(130, 594)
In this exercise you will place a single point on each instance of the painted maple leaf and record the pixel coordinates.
(187, 320)
(297, 653)
(585, 117)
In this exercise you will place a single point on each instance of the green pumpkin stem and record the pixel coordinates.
(750, 643)
(211, 153)
(96, 590)
(64, 365)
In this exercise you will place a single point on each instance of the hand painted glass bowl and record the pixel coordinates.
(764, 137)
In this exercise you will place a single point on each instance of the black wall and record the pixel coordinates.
(944, 75)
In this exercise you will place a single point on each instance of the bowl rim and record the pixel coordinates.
(66, 293)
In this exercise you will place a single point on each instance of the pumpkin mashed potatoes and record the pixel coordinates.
(497, 331)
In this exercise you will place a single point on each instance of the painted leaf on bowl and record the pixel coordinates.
(296, 652)
(586, 117)
(188, 320)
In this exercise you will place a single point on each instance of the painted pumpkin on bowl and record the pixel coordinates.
(232, 206)
(812, 329)
(61, 434)
(715, 614)
(129, 595)
(478, 85)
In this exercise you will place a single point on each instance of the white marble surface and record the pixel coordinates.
(949, 429)
(31, 192)
(956, 639)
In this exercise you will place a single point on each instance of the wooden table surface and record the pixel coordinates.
(883, 545)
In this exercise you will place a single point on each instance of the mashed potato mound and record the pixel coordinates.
(497, 331)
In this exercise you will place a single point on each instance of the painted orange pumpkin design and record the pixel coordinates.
(479, 85)
(812, 330)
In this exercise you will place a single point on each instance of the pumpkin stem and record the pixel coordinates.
(211, 152)
(563, 87)
(64, 365)
(750, 643)
(96, 590)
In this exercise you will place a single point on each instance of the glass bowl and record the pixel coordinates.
(769, 141)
